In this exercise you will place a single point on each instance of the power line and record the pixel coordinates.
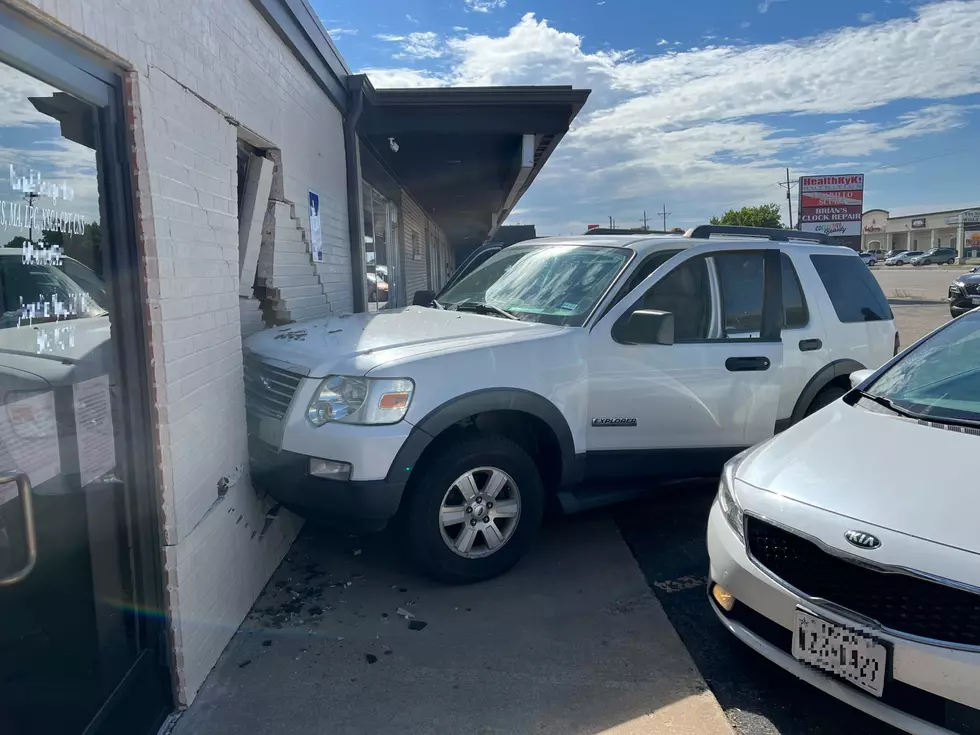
(665, 214)
(644, 219)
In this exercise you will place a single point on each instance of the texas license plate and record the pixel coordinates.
(840, 651)
(975, 299)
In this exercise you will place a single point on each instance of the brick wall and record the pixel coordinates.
(415, 275)
(198, 66)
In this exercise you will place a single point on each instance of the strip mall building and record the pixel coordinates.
(957, 228)
(175, 176)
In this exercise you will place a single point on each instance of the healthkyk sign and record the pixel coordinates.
(832, 204)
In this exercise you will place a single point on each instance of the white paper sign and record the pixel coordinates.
(316, 244)
(29, 441)
(93, 426)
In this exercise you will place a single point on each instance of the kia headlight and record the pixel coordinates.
(351, 400)
(727, 500)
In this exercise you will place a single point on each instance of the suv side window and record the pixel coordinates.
(686, 293)
(795, 311)
(743, 287)
(718, 296)
(853, 291)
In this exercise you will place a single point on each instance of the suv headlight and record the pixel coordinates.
(351, 400)
(727, 500)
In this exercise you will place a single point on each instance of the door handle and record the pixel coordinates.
(809, 345)
(27, 501)
(747, 364)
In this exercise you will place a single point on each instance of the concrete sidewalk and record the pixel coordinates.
(571, 641)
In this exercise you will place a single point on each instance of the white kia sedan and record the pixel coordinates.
(862, 577)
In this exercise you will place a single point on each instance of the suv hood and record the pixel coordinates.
(353, 344)
(969, 278)
(829, 461)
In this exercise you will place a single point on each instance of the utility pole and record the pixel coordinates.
(30, 197)
(644, 219)
(611, 225)
(789, 197)
(665, 214)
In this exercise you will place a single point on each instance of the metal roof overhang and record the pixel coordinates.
(466, 154)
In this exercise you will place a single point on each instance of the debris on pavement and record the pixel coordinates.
(416, 624)
(404, 613)
(357, 552)
(267, 642)
(370, 658)
(244, 663)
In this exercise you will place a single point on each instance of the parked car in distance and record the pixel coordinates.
(964, 293)
(936, 256)
(903, 257)
(846, 573)
(573, 370)
(869, 258)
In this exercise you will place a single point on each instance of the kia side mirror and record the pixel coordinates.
(648, 327)
(423, 298)
(859, 376)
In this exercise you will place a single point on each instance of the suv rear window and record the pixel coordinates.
(852, 288)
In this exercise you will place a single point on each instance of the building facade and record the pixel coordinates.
(958, 229)
(174, 177)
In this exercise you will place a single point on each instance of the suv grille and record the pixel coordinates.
(972, 289)
(268, 389)
(900, 602)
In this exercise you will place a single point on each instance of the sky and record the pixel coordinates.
(701, 106)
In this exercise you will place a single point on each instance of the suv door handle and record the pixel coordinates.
(746, 364)
(809, 345)
(27, 503)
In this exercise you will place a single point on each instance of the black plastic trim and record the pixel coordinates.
(483, 401)
(661, 464)
(819, 381)
(703, 232)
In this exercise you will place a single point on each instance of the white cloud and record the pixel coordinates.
(417, 45)
(695, 122)
(404, 78)
(744, 24)
(410, 19)
(867, 17)
(662, 42)
(484, 6)
(766, 4)
(342, 31)
(460, 29)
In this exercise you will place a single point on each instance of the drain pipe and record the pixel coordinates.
(355, 225)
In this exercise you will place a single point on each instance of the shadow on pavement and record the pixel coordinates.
(667, 536)
(347, 639)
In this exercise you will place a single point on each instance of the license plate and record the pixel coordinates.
(975, 299)
(837, 650)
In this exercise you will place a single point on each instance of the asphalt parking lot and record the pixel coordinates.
(604, 628)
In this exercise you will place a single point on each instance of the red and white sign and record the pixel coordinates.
(593, 227)
(832, 204)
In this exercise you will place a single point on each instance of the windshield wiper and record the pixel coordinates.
(890, 404)
(481, 307)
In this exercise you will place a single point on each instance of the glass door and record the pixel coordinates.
(76, 653)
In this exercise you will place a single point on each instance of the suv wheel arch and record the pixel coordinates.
(489, 400)
(825, 376)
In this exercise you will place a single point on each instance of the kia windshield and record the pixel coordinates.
(554, 284)
(940, 379)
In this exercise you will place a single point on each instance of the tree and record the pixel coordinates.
(766, 215)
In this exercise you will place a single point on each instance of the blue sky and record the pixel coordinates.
(701, 105)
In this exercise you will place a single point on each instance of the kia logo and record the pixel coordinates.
(862, 540)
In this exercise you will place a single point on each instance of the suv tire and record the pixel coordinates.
(951, 261)
(480, 465)
(824, 398)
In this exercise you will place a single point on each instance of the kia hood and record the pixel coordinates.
(353, 344)
(824, 462)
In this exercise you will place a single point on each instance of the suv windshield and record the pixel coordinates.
(938, 380)
(556, 284)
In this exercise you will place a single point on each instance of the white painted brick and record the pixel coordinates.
(228, 55)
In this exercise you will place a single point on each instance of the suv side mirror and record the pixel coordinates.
(648, 327)
(423, 298)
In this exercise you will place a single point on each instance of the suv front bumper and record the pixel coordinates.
(355, 504)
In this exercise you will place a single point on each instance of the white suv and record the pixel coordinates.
(576, 369)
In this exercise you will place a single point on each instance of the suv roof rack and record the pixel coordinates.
(769, 233)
